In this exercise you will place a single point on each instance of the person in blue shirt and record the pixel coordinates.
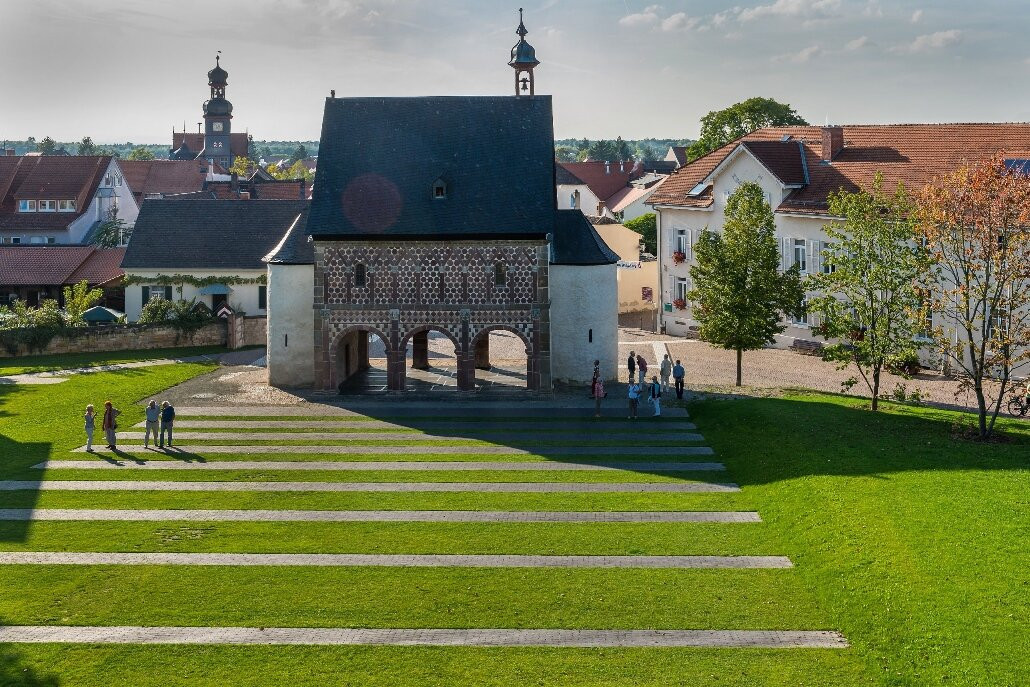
(167, 418)
(678, 373)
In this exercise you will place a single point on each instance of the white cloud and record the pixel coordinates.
(873, 9)
(932, 41)
(721, 18)
(790, 8)
(648, 16)
(857, 44)
(678, 22)
(802, 56)
(916, 16)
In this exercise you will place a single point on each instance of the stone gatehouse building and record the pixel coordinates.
(438, 214)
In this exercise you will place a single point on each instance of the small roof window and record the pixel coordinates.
(439, 188)
(699, 189)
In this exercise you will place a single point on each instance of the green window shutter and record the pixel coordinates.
(146, 295)
(262, 297)
(168, 293)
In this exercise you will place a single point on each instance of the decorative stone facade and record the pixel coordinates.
(400, 290)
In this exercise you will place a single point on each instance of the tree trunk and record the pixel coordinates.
(981, 407)
(876, 388)
(740, 355)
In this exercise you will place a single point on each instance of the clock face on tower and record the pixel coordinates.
(217, 126)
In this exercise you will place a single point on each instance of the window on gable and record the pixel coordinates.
(107, 179)
(500, 274)
(439, 189)
(360, 276)
(66, 206)
(26, 206)
(48, 206)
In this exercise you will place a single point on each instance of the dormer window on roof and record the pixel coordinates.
(439, 189)
(699, 189)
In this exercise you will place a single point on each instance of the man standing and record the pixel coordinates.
(677, 375)
(110, 423)
(167, 418)
(632, 365)
(666, 371)
(641, 369)
(634, 399)
(153, 415)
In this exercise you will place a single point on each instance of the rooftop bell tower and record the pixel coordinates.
(217, 118)
(523, 61)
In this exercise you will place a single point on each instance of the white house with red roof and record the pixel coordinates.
(60, 199)
(799, 167)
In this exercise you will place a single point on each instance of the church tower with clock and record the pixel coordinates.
(217, 119)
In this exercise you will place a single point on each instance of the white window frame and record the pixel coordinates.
(680, 288)
(828, 267)
(801, 255)
(37, 239)
(26, 205)
(15, 240)
(47, 205)
(66, 206)
(804, 320)
(683, 241)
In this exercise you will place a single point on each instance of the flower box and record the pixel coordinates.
(679, 257)
(679, 304)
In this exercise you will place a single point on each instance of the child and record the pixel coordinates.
(90, 418)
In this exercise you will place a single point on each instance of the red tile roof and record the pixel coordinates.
(29, 265)
(679, 154)
(46, 177)
(163, 176)
(912, 154)
(603, 179)
(238, 143)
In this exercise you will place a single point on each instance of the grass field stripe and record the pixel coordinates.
(615, 425)
(520, 437)
(385, 465)
(478, 487)
(406, 450)
(389, 560)
(159, 515)
(486, 637)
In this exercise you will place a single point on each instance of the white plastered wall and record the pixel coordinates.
(291, 341)
(584, 321)
(243, 296)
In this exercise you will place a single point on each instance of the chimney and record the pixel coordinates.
(607, 167)
(200, 130)
(622, 166)
(234, 184)
(833, 142)
(600, 208)
(244, 195)
(9, 152)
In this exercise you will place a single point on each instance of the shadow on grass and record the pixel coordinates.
(15, 671)
(18, 457)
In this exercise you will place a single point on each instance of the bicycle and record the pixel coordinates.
(1019, 404)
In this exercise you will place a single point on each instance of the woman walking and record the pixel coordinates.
(110, 423)
(90, 419)
(597, 389)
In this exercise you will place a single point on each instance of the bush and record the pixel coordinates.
(156, 311)
(904, 366)
(647, 227)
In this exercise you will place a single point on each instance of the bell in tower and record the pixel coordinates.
(217, 118)
(523, 61)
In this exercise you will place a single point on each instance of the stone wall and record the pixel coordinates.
(400, 289)
(255, 331)
(126, 337)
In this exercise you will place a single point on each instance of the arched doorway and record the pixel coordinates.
(502, 357)
(362, 361)
(431, 356)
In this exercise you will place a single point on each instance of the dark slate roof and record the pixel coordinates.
(295, 248)
(379, 158)
(576, 242)
(209, 234)
(564, 177)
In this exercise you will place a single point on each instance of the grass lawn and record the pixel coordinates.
(912, 544)
(63, 361)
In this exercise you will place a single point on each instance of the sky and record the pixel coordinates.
(130, 70)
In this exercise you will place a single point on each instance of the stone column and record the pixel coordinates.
(361, 339)
(420, 351)
(482, 360)
(466, 371)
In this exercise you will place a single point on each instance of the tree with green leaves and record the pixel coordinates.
(299, 153)
(111, 233)
(565, 154)
(647, 226)
(243, 167)
(740, 297)
(141, 153)
(77, 300)
(869, 303)
(87, 147)
(719, 127)
(47, 146)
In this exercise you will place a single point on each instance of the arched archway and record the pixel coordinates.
(500, 355)
(361, 359)
(432, 353)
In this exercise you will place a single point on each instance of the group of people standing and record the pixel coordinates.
(157, 418)
(637, 366)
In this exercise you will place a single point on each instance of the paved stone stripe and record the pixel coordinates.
(408, 450)
(503, 412)
(382, 465)
(158, 515)
(520, 437)
(389, 560)
(628, 430)
(479, 487)
(721, 639)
